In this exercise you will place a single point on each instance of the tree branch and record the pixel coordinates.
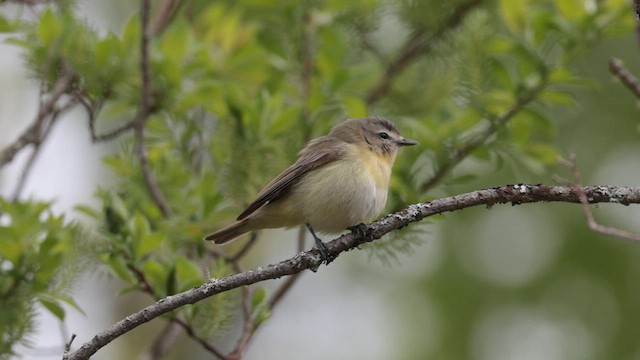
(419, 43)
(146, 108)
(311, 259)
(164, 17)
(35, 132)
(572, 165)
(481, 137)
(618, 69)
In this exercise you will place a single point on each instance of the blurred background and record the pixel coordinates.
(238, 88)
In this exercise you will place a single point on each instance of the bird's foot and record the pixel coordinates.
(322, 248)
(360, 230)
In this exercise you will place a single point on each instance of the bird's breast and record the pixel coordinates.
(345, 192)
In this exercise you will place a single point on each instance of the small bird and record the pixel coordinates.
(339, 181)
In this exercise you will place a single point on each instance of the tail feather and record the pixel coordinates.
(229, 233)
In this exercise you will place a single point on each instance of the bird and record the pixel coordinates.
(339, 182)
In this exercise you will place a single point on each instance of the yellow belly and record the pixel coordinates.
(343, 193)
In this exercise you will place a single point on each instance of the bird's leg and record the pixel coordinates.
(324, 252)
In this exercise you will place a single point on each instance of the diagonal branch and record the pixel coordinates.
(419, 43)
(514, 194)
(618, 69)
(35, 132)
(572, 165)
(481, 137)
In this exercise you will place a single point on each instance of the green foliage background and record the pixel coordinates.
(239, 87)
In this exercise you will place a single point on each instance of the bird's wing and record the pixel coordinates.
(318, 153)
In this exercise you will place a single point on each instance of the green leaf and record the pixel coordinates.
(70, 301)
(119, 267)
(156, 274)
(259, 306)
(354, 106)
(514, 13)
(53, 306)
(6, 26)
(571, 9)
(148, 243)
(50, 27)
(258, 297)
(547, 154)
(187, 273)
(88, 210)
(561, 98)
(139, 227)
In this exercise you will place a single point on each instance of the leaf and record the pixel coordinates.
(187, 273)
(139, 227)
(87, 210)
(259, 308)
(156, 274)
(561, 98)
(53, 306)
(119, 267)
(70, 301)
(49, 28)
(513, 13)
(6, 26)
(354, 106)
(148, 243)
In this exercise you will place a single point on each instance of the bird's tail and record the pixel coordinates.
(230, 232)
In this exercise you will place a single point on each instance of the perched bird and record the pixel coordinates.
(339, 181)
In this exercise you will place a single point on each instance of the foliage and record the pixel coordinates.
(37, 250)
(239, 87)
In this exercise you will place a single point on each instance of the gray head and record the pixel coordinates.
(377, 133)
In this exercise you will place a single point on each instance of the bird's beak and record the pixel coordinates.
(406, 142)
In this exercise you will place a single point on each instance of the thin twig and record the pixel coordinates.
(248, 328)
(311, 259)
(92, 113)
(419, 43)
(291, 280)
(624, 75)
(146, 108)
(636, 12)
(34, 132)
(163, 342)
(487, 130)
(164, 17)
(41, 135)
(67, 347)
(243, 251)
(189, 330)
(572, 165)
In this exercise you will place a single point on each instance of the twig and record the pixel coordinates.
(92, 111)
(67, 347)
(487, 130)
(572, 165)
(165, 15)
(624, 75)
(291, 280)
(311, 259)
(419, 43)
(189, 330)
(163, 342)
(243, 251)
(146, 108)
(636, 12)
(248, 329)
(34, 132)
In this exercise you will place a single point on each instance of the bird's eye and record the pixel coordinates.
(383, 135)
